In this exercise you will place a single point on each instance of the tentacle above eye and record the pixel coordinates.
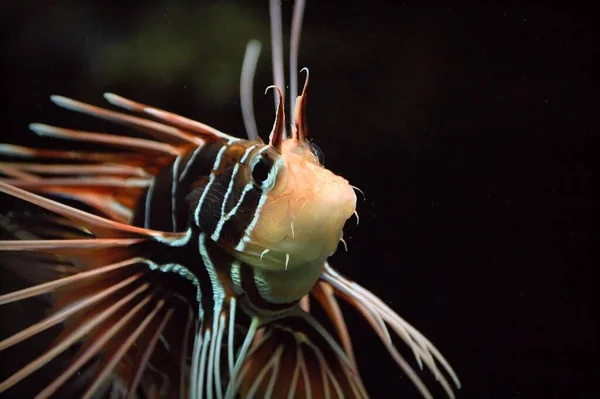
(300, 131)
(277, 133)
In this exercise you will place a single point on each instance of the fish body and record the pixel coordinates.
(189, 263)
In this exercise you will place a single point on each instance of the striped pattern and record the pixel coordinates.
(225, 204)
(220, 275)
(210, 181)
(186, 169)
(172, 205)
(213, 197)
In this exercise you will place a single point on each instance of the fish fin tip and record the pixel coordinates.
(59, 100)
(39, 128)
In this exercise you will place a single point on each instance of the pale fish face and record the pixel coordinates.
(303, 209)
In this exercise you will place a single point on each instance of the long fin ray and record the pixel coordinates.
(178, 121)
(38, 169)
(68, 341)
(51, 286)
(131, 143)
(155, 129)
(63, 314)
(104, 373)
(84, 182)
(96, 345)
(127, 159)
(100, 226)
(296, 339)
(378, 314)
(57, 245)
(142, 363)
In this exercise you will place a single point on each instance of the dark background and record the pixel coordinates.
(464, 125)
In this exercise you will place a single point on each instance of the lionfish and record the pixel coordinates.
(184, 262)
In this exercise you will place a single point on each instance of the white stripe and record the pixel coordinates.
(248, 151)
(190, 162)
(218, 296)
(229, 188)
(174, 192)
(217, 287)
(147, 203)
(175, 243)
(261, 202)
(236, 277)
(246, 237)
(183, 272)
(222, 221)
(195, 154)
(224, 218)
(210, 182)
(219, 156)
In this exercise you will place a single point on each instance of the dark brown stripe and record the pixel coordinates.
(233, 229)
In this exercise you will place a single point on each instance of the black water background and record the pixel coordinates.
(466, 126)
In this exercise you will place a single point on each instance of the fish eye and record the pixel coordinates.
(318, 152)
(261, 169)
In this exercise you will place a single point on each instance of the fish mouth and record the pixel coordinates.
(292, 233)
